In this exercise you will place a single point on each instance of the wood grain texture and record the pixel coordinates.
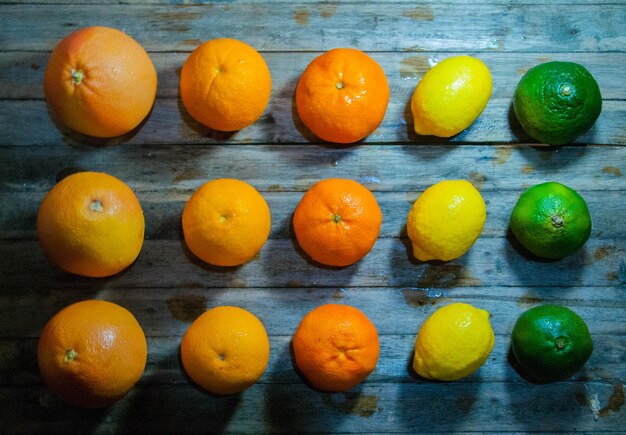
(372, 27)
(283, 408)
(169, 123)
(165, 313)
(168, 264)
(171, 155)
(295, 168)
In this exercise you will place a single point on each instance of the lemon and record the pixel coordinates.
(453, 342)
(451, 96)
(446, 220)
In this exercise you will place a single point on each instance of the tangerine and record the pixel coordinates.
(342, 95)
(225, 350)
(337, 222)
(336, 347)
(225, 84)
(226, 222)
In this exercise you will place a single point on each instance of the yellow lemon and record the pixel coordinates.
(453, 343)
(451, 96)
(446, 220)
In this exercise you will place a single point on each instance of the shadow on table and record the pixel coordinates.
(437, 406)
(533, 271)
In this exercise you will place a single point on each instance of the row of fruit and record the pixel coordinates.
(92, 353)
(101, 82)
(92, 224)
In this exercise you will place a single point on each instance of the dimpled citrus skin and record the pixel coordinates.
(337, 222)
(225, 84)
(92, 353)
(446, 220)
(555, 102)
(116, 86)
(226, 222)
(342, 95)
(336, 347)
(450, 96)
(91, 224)
(551, 220)
(225, 350)
(551, 342)
(454, 342)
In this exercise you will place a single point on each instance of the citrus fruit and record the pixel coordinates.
(226, 222)
(92, 353)
(342, 95)
(225, 350)
(336, 347)
(225, 84)
(454, 342)
(91, 224)
(555, 102)
(551, 342)
(337, 222)
(450, 96)
(100, 82)
(551, 220)
(446, 220)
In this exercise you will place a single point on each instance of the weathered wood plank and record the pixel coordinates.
(23, 72)
(325, 7)
(167, 312)
(163, 210)
(284, 168)
(281, 408)
(169, 123)
(168, 264)
(371, 26)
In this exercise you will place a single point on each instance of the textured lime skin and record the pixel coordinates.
(551, 220)
(555, 102)
(551, 342)
(454, 342)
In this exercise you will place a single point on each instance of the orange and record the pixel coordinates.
(336, 347)
(225, 84)
(92, 353)
(226, 222)
(100, 82)
(225, 350)
(342, 95)
(337, 222)
(91, 224)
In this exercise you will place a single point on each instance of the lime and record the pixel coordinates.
(453, 342)
(551, 342)
(551, 220)
(555, 102)
(450, 96)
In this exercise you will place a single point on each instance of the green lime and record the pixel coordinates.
(555, 102)
(551, 342)
(551, 220)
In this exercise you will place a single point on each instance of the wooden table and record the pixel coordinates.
(166, 159)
